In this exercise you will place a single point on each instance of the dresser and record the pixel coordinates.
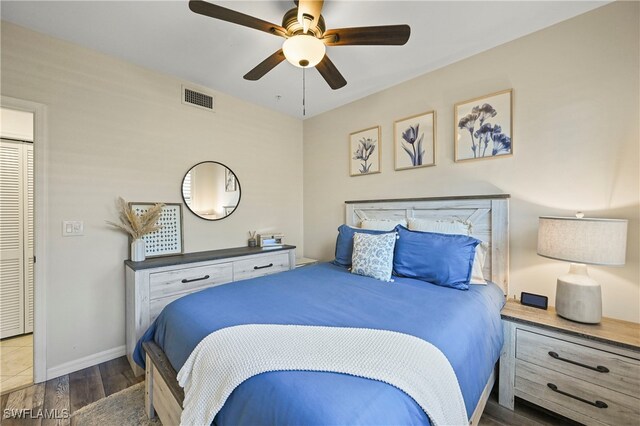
(588, 373)
(156, 282)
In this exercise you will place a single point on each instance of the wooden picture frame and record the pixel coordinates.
(365, 151)
(483, 127)
(415, 141)
(168, 240)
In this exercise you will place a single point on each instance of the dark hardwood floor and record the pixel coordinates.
(70, 392)
(73, 391)
(525, 414)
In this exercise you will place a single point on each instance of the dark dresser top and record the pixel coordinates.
(201, 256)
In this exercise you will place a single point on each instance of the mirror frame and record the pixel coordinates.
(237, 183)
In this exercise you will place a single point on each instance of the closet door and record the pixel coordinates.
(28, 241)
(11, 238)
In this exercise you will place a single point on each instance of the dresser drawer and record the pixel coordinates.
(186, 280)
(576, 395)
(157, 305)
(601, 368)
(260, 265)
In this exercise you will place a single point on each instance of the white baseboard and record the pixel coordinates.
(84, 362)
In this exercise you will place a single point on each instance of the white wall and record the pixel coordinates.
(576, 139)
(118, 129)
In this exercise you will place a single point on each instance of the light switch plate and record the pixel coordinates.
(72, 228)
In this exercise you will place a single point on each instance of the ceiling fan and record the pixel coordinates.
(306, 37)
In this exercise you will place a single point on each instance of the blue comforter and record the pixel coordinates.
(464, 325)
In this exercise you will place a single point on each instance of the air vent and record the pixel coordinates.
(197, 98)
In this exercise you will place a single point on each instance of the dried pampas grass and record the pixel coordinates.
(134, 225)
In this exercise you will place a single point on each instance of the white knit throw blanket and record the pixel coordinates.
(228, 357)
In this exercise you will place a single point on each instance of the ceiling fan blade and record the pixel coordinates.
(224, 14)
(311, 8)
(330, 73)
(395, 35)
(265, 66)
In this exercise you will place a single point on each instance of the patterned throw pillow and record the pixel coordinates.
(373, 255)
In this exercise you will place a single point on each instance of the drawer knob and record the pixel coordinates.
(206, 277)
(598, 368)
(598, 404)
(263, 266)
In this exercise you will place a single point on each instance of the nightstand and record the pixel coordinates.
(305, 261)
(588, 373)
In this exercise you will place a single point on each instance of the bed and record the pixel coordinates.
(464, 325)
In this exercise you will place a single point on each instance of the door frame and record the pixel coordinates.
(41, 193)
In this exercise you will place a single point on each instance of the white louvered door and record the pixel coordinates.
(28, 241)
(11, 239)
(16, 251)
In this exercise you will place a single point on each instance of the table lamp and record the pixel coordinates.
(581, 241)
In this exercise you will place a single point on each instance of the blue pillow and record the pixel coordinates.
(442, 259)
(344, 243)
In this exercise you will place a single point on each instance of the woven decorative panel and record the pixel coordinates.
(168, 239)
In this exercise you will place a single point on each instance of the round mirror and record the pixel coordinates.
(211, 190)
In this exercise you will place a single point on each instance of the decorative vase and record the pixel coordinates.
(137, 250)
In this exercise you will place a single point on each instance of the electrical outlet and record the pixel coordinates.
(72, 228)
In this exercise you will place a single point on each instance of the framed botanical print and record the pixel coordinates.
(167, 240)
(484, 127)
(230, 182)
(415, 141)
(364, 152)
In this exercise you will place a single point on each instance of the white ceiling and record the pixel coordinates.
(166, 36)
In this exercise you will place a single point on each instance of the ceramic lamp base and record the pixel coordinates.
(578, 296)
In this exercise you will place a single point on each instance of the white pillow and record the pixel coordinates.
(382, 224)
(440, 226)
(455, 227)
(477, 277)
(373, 255)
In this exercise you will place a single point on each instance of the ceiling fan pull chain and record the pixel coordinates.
(304, 92)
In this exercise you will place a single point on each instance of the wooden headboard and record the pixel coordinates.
(488, 215)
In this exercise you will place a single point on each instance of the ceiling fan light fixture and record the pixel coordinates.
(304, 51)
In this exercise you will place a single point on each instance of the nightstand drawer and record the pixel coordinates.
(260, 266)
(601, 404)
(186, 280)
(598, 367)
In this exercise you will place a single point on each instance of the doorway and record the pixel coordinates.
(17, 198)
(40, 202)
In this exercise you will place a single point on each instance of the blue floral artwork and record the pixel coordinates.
(411, 137)
(365, 151)
(415, 141)
(365, 148)
(484, 127)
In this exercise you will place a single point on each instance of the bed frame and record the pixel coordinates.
(489, 217)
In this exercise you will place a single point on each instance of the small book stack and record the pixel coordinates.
(271, 240)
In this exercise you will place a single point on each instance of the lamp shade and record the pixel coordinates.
(590, 241)
(304, 50)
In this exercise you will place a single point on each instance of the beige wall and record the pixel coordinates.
(118, 129)
(576, 138)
